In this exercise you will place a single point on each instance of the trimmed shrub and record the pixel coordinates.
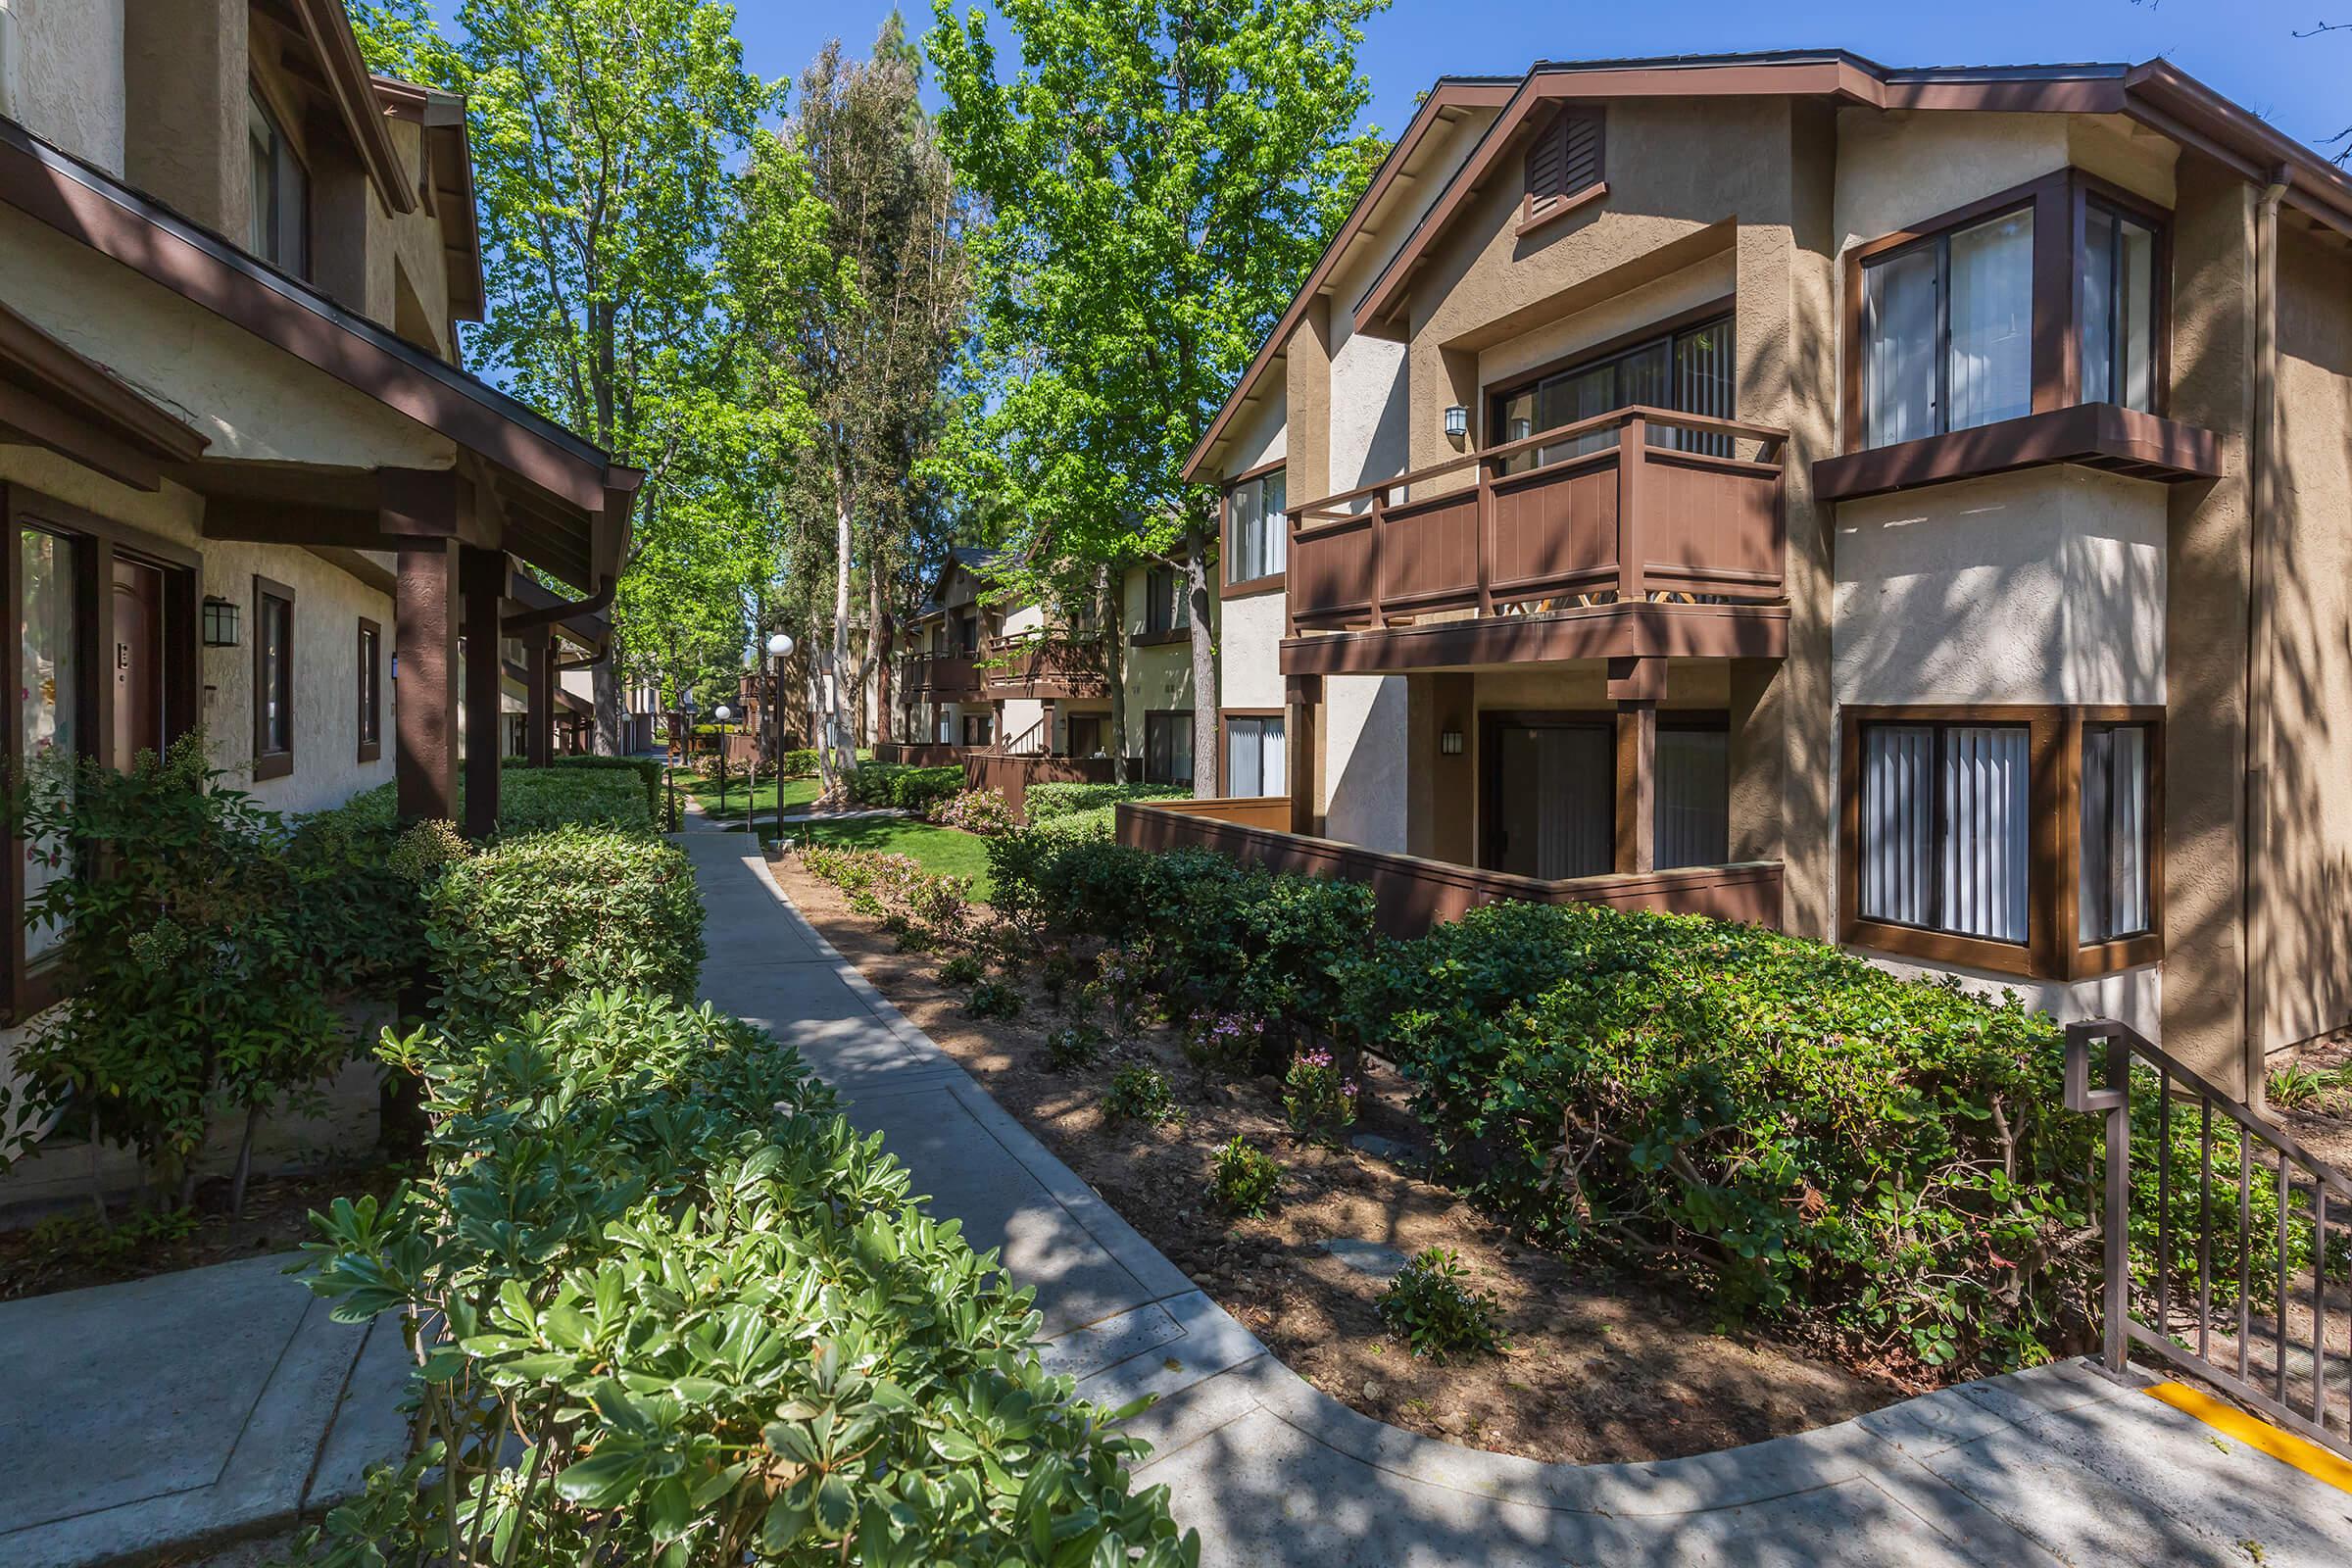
(1047, 802)
(900, 784)
(706, 1325)
(983, 811)
(963, 969)
(1432, 1307)
(531, 799)
(1077, 1045)
(1096, 824)
(1318, 1097)
(1244, 1180)
(530, 920)
(892, 883)
(647, 769)
(801, 762)
(1139, 1092)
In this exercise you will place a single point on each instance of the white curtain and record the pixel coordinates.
(1898, 825)
(1992, 367)
(2119, 279)
(1987, 819)
(1253, 758)
(1898, 323)
(2114, 882)
(1694, 809)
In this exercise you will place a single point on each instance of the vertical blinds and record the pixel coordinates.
(1946, 826)
(2111, 897)
(1693, 805)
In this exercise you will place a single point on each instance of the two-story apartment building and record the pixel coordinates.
(1913, 507)
(248, 487)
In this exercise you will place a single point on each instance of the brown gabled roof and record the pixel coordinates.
(326, 26)
(2156, 94)
(448, 185)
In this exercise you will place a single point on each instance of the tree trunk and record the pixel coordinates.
(608, 706)
(885, 641)
(244, 1168)
(838, 733)
(1207, 765)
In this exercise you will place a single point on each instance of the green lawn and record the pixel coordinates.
(946, 851)
(798, 791)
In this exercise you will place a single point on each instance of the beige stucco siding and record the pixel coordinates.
(1249, 652)
(1364, 760)
(2045, 586)
(65, 74)
(1902, 168)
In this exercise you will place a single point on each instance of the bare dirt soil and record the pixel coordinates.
(71, 1249)
(1600, 1367)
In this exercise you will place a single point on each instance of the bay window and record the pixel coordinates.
(2019, 840)
(1949, 331)
(1257, 533)
(2118, 308)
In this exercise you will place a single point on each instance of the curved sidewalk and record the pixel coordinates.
(2060, 1466)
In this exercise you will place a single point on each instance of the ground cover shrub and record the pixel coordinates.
(647, 769)
(1096, 824)
(531, 919)
(1048, 802)
(1318, 1097)
(1243, 1179)
(1432, 1308)
(1139, 1092)
(1074, 1046)
(180, 927)
(707, 1327)
(903, 785)
(993, 999)
(963, 969)
(983, 811)
(892, 883)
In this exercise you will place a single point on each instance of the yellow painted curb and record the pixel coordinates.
(2255, 1433)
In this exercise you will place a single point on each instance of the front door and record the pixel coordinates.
(137, 661)
(1553, 789)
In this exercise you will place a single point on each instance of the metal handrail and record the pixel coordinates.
(2181, 1084)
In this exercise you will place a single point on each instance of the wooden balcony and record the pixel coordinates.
(1412, 894)
(1041, 666)
(943, 678)
(1666, 541)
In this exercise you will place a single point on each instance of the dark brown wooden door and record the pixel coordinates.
(139, 660)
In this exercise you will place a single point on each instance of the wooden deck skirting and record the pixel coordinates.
(1415, 894)
(994, 770)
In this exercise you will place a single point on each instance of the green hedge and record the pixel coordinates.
(531, 799)
(903, 785)
(647, 769)
(698, 1320)
(531, 919)
(1047, 802)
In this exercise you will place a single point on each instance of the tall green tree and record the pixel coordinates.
(1160, 175)
(606, 138)
(862, 340)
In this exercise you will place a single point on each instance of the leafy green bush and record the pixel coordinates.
(1139, 1092)
(983, 811)
(892, 882)
(1318, 1097)
(1074, 1046)
(963, 969)
(993, 999)
(801, 762)
(1244, 1180)
(1096, 824)
(198, 987)
(1049, 801)
(703, 1324)
(531, 919)
(531, 799)
(903, 785)
(647, 769)
(1431, 1307)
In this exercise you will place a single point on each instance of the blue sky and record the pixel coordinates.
(2243, 48)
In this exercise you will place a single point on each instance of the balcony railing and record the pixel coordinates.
(1043, 665)
(944, 677)
(1667, 507)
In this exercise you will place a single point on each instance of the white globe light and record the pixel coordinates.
(723, 713)
(780, 645)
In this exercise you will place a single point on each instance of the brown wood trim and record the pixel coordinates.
(266, 763)
(1228, 485)
(371, 683)
(54, 397)
(1224, 716)
(348, 86)
(1574, 201)
(2097, 435)
(1272, 583)
(1160, 639)
(1649, 629)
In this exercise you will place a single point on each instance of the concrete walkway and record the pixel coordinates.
(2056, 1466)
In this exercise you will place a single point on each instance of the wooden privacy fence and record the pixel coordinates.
(1415, 894)
(994, 770)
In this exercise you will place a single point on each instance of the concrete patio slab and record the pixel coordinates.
(185, 1410)
(2062, 1464)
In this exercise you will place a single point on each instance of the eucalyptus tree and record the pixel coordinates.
(1160, 177)
(606, 137)
(851, 265)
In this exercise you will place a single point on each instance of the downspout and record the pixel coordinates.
(2261, 590)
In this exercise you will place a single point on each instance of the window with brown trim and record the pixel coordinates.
(1257, 532)
(1563, 161)
(1168, 747)
(2021, 840)
(1687, 368)
(371, 694)
(1256, 763)
(273, 679)
(280, 222)
(979, 729)
(1167, 606)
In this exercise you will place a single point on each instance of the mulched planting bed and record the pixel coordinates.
(70, 1250)
(1600, 1367)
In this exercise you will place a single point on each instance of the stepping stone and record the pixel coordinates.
(1388, 1149)
(1365, 1257)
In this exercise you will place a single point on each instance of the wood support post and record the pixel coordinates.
(1632, 451)
(1302, 731)
(539, 698)
(482, 575)
(1637, 785)
(425, 704)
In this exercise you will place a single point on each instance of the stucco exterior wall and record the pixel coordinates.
(65, 76)
(1264, 436)
(1899, 168)
(2044, 586)
(1249, 652)
(1364, 725)
(1712, 278)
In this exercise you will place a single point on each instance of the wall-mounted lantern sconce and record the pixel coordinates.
(1458, 422)
(1451, 743)
(219, 623)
